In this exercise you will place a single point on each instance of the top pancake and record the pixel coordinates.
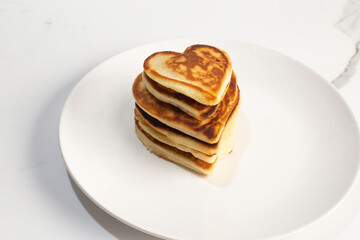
(208, 130)
(201, 72)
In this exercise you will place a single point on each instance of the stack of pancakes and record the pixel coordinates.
(186, 106)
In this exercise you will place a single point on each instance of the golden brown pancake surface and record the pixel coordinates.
(201, 72)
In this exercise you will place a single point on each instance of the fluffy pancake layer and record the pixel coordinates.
(204, 151)
(167, 140)
(175, 135)
(173, 154)
(186, 104)
(207, 130)
(201, 72)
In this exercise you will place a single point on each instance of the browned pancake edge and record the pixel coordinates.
(209, 131)
(188, 156)
(206, 111)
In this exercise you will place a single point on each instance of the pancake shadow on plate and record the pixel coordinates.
(226, 169)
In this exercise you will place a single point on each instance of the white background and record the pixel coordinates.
(47, 46)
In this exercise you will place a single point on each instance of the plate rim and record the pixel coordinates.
(225, 41)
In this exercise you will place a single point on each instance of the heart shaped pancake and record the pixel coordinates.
(201, 72)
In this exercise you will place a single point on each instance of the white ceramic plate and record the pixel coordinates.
(296, 155)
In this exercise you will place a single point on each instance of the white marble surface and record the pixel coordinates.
(47, 46)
